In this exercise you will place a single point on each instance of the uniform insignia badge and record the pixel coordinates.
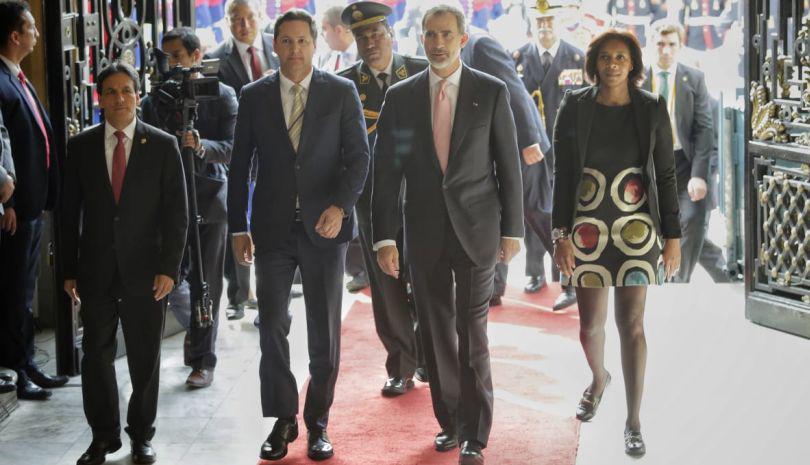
(362, 97)
(570, 77)
(364, 78)
(143, 141)
(577, 57)
(402, 72)
(519, 68)
(685, 79)
(357, 15)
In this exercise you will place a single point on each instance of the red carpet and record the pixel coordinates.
(366, 428)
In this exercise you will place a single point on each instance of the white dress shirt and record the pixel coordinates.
(656, 84)
(330, 63)
(111, 140)
(244, 55)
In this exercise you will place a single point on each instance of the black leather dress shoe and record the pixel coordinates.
(96, 454)
(6, 386)
(27, 390)
(566, 299)
(396, 387)
(284, 432)
(142, 452)
(235, 311)
(535, 284)
(358, 282)
(44, 380)
(421, 374)
(589, 403)
(319, 447)
(445, 441)
(470, 454)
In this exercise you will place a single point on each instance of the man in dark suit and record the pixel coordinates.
(246, 57)
(548, 66)
(636, 15)
(684, 89)
(307, 130)
(378, 69)
(484, 53)
(448, 132)
(212, 142)
(35, 159)
(124, 220)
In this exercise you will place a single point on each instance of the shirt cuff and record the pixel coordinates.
(241, 233)
(383, 243)
(515, 238)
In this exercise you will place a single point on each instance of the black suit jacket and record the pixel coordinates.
(571, 133)
(480, 194)
(144, 234)
(37, 187)
(693, 118)
(215, 122)
(330, 167)
(232, 71)
(485, 54)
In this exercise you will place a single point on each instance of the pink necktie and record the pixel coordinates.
(35, 108)
(441, 125)
(119, 165)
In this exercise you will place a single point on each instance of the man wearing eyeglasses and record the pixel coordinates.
(307, 131)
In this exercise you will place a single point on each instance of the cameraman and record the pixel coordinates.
(212, 141)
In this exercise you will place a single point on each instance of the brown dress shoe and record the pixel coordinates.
(200, 378)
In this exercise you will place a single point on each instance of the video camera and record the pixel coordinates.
(176, 92)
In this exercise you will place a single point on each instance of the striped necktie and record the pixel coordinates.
(296, 116)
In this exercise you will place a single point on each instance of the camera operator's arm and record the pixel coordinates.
(217, 145)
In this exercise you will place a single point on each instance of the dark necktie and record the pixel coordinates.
(32, 102)
(255, 64)
(119, 165)
(545, 59)
(384, 78)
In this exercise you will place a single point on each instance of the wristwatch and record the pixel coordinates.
(558, 234)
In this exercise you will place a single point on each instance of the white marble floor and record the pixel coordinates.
(720, 390)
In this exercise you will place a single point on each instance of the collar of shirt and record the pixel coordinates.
(257, 44)
(387, 70)
(12, 67)
(672, 70)
(287, 84)
(129, 131)
(452, 80)
(553, 50)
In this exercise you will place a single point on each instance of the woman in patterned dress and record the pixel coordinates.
(615, 214)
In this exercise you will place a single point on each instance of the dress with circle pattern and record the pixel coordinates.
(615, 242)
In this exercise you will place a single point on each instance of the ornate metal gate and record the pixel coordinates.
(83, 36)
(778, 164)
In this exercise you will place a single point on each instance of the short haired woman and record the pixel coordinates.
(615, 199)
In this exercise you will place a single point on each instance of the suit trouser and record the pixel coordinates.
(202, 351)
(713, 261)
(19, 268)
(322, 278)
(393, 317)
(142, 324)
(694, 223)
(452, 300)
(238, 277)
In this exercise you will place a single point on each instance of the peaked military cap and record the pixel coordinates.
(361, 14)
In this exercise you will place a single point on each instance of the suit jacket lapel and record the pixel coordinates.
(422, 97)
(315, 98)
(399, 71)
(584, 122)
(15, 82)
(235, 61)
(369, 87)
(135, 158)
(466, 104)
(681, 99)
(99, 162)
(276, 109)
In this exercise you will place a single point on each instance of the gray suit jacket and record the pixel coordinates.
(694, 118)
(232, 71)
(481, 193)
(6, 161)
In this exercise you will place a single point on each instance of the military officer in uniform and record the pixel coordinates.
(378, 69)
(636, 15)
(548, 67)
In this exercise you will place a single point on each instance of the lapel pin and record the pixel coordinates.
(143, 141)
(685, 79)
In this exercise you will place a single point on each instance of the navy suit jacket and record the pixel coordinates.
(37, 186)
(232, 71)
(485, 54)
(330, 167)
(693, 115)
